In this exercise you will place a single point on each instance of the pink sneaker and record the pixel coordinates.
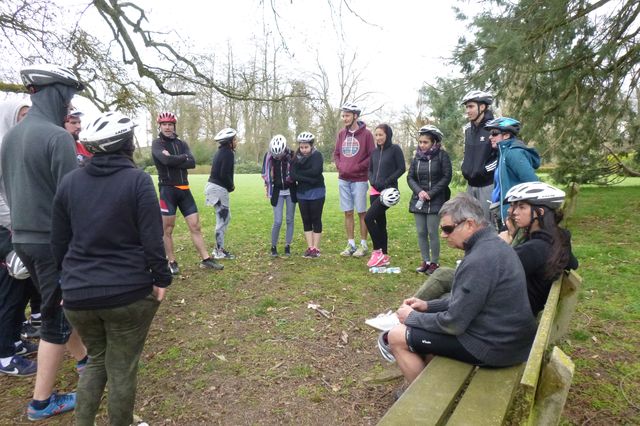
(385, 260)
(376, 255)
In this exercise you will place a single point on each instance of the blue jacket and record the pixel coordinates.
(516, 164)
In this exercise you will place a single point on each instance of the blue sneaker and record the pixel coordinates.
(26, 348)
(20, 367)
(58, 404)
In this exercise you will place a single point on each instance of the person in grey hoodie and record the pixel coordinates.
(35, 156)
(486, 320)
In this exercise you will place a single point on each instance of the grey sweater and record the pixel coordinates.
(488, 310)
(35, 155)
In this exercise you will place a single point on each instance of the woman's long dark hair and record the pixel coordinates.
(560, 244)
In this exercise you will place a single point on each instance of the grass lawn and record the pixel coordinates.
(241, 346)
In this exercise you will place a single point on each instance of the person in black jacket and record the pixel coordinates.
(385, 167)
(219, 186)
(106, 235)
(429, 177)
(172, 158)
(281, 190)
(480, 159)
(307, 173)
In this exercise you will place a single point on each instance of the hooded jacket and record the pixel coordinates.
(172, 168)
(107, 235)
(36, 154)
(432, 175)
(517, 163)
(276, 173)
(478, 153)
(387, 164)
(352, 153)
(9, 111)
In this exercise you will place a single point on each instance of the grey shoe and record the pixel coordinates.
(173, 267)
(361, 251)
(210, 263)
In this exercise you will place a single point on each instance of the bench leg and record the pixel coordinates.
(553, 389)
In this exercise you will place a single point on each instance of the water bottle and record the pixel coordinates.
(378, 269)
(393, 270)
(419, 203)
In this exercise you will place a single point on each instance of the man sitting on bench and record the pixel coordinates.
(486, 320)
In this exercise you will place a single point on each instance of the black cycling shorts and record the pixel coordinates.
(426, 342)
(172, 199)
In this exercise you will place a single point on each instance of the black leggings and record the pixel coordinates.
(376, 220)
(311, 214)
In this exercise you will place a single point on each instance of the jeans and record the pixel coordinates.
(114, 339)
(277, 219)
(428, 236)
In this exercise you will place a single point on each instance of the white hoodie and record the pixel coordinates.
(9, 111)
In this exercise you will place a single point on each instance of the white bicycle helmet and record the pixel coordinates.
(307, 137)
(107, 133)
(46, 74)
(277, 145)
(479, 96)
(536, 194)
(383, 347)
(350, 107)
(225, 135)
(432, 131)
(15, 267)
(390, 197)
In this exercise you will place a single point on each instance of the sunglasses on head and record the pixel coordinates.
(495, 133)
(448, 229)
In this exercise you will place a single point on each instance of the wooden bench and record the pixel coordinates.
(454, 393)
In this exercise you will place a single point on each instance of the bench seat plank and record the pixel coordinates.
(488, 397)
(431, 396)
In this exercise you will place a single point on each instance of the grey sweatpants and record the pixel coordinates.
(277, 219)
(482, 194)
(428, 236)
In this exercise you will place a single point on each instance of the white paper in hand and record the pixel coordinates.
(383, 322)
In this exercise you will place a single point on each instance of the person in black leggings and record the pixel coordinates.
(307, 172)
(386, 166)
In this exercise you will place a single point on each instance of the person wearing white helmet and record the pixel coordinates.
(36, 154)
(219, 186)
(310, 190)
(172, 158)
(351, 155)
(479, 158)
(281, 190)
(385, 168)
(106, 236)
(429, 177)
(73, 125)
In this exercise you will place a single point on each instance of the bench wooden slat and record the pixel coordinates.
(428, 402)
(488, 397)
(567, 302)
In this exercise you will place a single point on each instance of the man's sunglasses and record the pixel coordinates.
(448, 229)
(495, 132)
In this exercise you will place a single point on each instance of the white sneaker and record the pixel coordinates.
(361, 251)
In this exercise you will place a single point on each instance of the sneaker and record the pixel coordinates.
(222, 254)
(308, 253)
(274, 251)
(375, 258)
(36, 322)
(29, 331)
(315, 252)
(173, 267)
(26, 348)
(385, 260)
(423, 267)
(210, 263)
(20, 367)
(287, 250)
(348, 251)
(360, 251)
(432, 267)
(58, 404)
(81, 365)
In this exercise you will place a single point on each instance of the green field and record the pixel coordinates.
(241, 346)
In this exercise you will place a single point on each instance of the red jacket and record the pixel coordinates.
(352, 152)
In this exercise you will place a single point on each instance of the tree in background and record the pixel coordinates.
(566, 68)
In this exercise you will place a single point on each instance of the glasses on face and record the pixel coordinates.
(448, 229)
(495, 133)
